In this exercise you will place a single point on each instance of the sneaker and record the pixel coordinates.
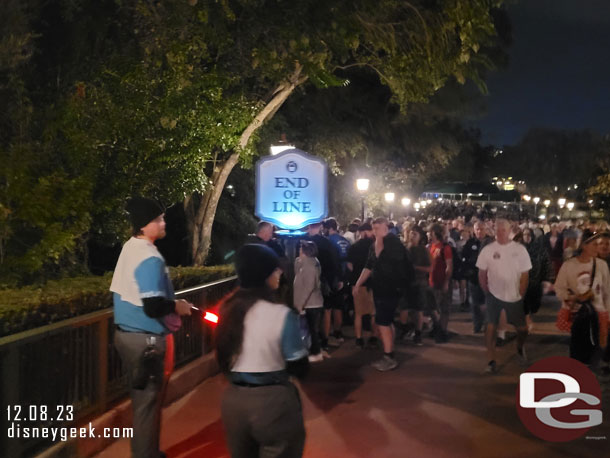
(417, 339)
(360, 343)
(316, 358)
(338, 335)
(373, 342)
(522, 356)
(325, 354)
(334, 342)
(491, 368)
(385, 364)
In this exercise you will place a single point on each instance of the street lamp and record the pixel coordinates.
(536, 200)
(280, 146)
(363, 186)
(527, 197)
(389, 198)
(561, 202)
(406, 201)
(546, 203)
(416, 206)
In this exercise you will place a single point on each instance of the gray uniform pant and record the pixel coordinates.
(146, 403)
(264, 421)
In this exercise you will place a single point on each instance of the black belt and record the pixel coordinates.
(256, 385)
(118, 328)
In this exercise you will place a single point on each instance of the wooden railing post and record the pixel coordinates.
(10, 397)
(102, 373)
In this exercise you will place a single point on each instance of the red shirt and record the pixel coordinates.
(439, 252)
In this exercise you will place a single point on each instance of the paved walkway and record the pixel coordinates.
(436, 404)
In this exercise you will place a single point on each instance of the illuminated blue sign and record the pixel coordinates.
(291, 189)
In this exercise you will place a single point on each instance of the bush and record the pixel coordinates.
(30, 307)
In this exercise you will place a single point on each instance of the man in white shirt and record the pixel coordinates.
(504, 268)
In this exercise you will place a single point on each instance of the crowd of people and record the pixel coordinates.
(391, 281)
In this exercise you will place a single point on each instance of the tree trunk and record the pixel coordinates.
(200, 215)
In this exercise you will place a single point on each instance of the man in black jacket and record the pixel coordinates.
(390, 270)
(330, 273)
(470, 253)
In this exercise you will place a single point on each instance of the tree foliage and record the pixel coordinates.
(165, 98)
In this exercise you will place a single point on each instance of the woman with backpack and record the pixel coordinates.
(583, 284)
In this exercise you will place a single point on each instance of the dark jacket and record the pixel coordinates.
(392, 272)
(470, 254)
(557, 252)
(329, 260)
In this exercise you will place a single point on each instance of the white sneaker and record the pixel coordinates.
(325, 354)
(491, 368)
(385, 364)
(315, 358)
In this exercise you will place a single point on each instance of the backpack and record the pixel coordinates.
(584, 341)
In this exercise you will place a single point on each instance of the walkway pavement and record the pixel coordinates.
(436, 404)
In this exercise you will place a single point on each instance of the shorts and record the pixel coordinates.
(335, 300)
(363, 301)
(515, 314)
(385, 309)
(442, 300)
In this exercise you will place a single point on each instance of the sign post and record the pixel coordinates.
(291, 192)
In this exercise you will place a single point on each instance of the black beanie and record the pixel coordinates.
(254, 263)
(142, 211)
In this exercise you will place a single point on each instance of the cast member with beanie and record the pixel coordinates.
(258, 347)
(145, 314)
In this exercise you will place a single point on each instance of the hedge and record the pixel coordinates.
(30, 307)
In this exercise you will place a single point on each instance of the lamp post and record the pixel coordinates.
(570, 206)
(536, 200)
(363, 186)
(561, 202)
(389, 198)
(405, 202)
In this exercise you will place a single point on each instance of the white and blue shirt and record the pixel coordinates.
(271, 337)
(140, 273)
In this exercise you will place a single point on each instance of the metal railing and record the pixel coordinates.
(74, 363)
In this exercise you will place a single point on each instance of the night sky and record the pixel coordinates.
(559, 71)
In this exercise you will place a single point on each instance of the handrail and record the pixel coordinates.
(79, 364)
(91, 317)
(205, 285)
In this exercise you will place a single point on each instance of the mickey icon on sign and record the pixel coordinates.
(291, 167)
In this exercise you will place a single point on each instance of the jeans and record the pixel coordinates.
(313, 321)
